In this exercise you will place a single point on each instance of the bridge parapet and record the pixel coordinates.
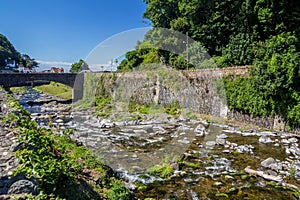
(34, 79)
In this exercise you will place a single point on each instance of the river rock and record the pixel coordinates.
(266, 133)
(200, 130)
(130, 186)
(222, 136)
(293, 140)
(247, 134)
(211, 143)
(285, 142)
(23, 186)
(265, 140)
(244, 149)
(276, 166)
(266, 163)
(221, 141)
(105, 123)
(16, 147)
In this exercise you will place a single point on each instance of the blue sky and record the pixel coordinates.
(66, 30)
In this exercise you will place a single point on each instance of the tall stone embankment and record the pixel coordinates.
(199, 91)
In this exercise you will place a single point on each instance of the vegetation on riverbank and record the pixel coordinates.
(272, 88)
(63, 169)
(264, 34)
(56, 89)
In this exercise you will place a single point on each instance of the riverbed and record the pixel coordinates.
(207, 160)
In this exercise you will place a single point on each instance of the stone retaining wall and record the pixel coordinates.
(196, 90)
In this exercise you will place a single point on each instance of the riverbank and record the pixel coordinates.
(44, 162)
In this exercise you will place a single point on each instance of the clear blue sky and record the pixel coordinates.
(66, 30)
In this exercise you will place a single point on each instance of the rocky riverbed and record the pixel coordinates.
(208, 161)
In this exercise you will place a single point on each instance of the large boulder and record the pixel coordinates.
(23, 186)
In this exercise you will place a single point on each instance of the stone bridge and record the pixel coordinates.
(76, 81)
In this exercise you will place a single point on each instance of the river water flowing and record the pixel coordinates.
(208, 160)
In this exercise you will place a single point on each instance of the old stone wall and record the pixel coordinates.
(200, 91)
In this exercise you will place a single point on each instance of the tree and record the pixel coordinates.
(8, 52)
(29, 62)
(227, 24)
(79, 66)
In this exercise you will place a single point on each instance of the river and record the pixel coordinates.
(205, 160)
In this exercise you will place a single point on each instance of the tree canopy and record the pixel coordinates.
(9, 53)
(79, 66)
(229, 30)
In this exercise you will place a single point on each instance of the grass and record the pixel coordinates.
(163, 171)
(18, 89)
(56, 89)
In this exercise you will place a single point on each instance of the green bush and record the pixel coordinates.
(273, 85)
(117, 191)
(173, 109)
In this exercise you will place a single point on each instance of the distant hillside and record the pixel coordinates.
(9, 53)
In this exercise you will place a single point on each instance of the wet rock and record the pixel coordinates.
(130, 186)
(23, 186)
(285, 142)
(266, 163)
(16, 147)
(200, 130)
(244, 149)
(293, 140)
(218, 184)
(226, 151)
(231, 131)
(276, 166)
(106, 124)
(211, 143)
(297, 175)
(265, 140)
(247, 134)
(222, 136)
(175, 166)
(184, 141)
(59, 121)
(220, 141)
(149, 130)
(271, 173)
(266, 133)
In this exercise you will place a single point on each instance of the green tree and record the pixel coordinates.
(223, 26)
(79, 66)
(8, 52)
(273, 85)
(29, 62)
